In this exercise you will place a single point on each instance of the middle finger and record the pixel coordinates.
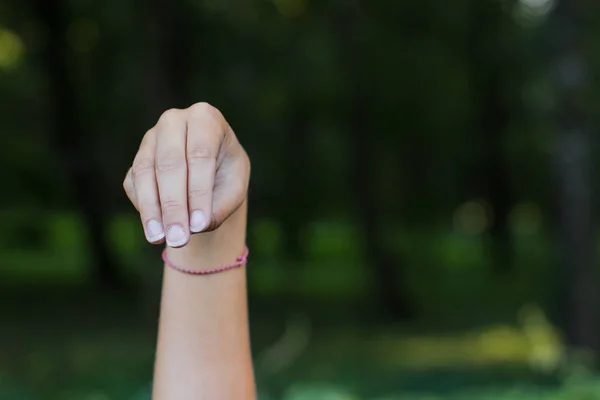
(171, 175)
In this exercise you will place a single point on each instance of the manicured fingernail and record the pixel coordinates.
(176, 236)
(197, 222)
(154, 231)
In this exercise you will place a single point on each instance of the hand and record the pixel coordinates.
(190, 175)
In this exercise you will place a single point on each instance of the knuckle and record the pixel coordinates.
(248, 164)
(148, 136)
(170, 162)
(204, 110)
(169, 116)
(127, 183)
(198, 193)
(200, 153)
(141, 167)
(171, 206)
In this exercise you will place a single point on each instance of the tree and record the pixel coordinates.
(72, 143)
(389, 271)
(489, 65)
(574, 178)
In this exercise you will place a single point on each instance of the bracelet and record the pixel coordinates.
(241, 260)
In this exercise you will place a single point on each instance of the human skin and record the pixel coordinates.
(189, 182)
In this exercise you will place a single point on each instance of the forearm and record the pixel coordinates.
(203, 349)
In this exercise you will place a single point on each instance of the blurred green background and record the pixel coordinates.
(422, 202)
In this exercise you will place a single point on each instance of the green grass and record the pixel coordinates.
(101, 348)
(77, 346)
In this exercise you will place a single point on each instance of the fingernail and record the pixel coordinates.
(176, 236)
(154, 231)
(197, 222)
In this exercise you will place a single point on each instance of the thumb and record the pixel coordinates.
(231, 184)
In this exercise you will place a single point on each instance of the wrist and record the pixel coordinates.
(209, 250)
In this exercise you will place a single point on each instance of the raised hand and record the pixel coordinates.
(190, 174)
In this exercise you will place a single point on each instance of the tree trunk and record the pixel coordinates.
(491, 121)
(71, 142)
(574, 180)
(165, 67)
(389, 271)
(494, 180)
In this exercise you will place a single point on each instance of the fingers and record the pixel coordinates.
(189, 175)
(171, 175)
(146, 191)
(204, 133)
(130, 188)
(231, 186)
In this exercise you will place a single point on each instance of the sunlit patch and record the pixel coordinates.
(531, 12)
(291, 8)
(472, 218)
(526, 219)
(534, 341)
(539, 6)
(546, 345)
(11, 49)
(82, 35)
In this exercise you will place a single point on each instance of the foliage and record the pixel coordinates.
(411, 159)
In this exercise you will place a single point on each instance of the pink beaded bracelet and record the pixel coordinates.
(241, 260)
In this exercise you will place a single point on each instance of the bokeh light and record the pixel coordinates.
(532, 12)
(11, 49)
(472, 217)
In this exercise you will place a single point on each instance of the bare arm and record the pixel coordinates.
(191, 175)
(203, 346)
